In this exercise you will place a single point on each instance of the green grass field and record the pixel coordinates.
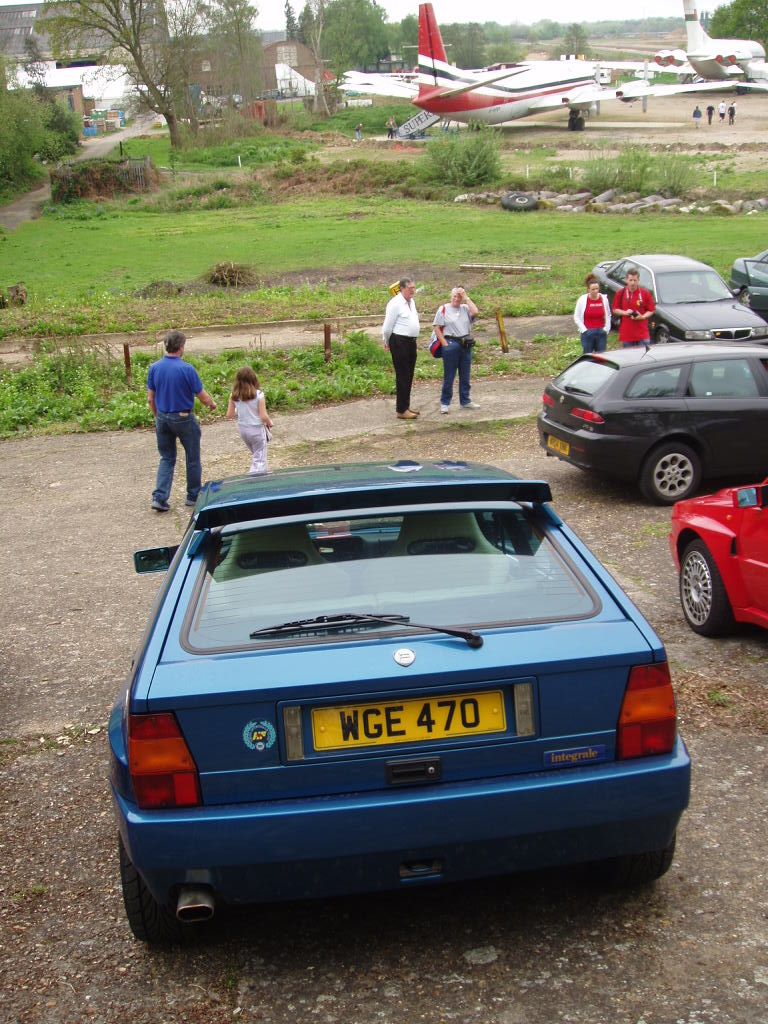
(82, 275)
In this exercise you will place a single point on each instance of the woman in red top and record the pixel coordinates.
(635, 306)
(592, 316)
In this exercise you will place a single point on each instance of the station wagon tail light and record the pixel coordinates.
(648, 717)
(547, 400)
(163, 771)
(587, 415)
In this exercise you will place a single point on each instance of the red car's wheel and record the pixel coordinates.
(705, 603)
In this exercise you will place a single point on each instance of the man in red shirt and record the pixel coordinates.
(635, 306)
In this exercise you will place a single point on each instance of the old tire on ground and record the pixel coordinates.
(519, 201)
(671, 472)
(703, 597)
(637, 868)
(149, 921)
(663, 337)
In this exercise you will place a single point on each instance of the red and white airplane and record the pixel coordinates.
(498, 95)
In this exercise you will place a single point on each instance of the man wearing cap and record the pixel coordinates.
(399, 332)
(172, 387)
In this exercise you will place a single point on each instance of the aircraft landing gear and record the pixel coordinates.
(575, 121)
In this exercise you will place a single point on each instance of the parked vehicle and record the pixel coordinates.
(374, 677)
(693, 303)
(665, 417)
(720, 546)
(749, 280)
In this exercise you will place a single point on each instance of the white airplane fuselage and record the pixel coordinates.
(514, 97)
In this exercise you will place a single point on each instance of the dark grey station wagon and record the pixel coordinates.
(666, 416)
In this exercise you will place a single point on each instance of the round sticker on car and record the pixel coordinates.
(259, 735)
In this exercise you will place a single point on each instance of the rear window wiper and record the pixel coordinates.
(573, 390)
(349, 620)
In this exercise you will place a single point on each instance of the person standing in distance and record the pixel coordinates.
(453, 326)
(172, 387)
(592, 316)
(635, 306)
(399, 333)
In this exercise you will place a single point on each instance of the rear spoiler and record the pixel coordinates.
(321, 502)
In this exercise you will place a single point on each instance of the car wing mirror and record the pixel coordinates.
(751, 497)
(153, 559)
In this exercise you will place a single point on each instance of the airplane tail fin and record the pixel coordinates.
(431, 47)
(696, 37)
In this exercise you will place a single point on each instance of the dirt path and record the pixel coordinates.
(28, 206)
(528, 950)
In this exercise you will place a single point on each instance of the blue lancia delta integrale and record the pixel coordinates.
(372, 677)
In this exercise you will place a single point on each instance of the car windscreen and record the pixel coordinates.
(586, 376)
(677, 286)
(438, 568)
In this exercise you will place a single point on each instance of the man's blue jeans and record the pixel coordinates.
(168, 427)
(456, 357)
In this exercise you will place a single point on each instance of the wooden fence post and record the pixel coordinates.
(127, 361)
(327, 342)
(502, 331)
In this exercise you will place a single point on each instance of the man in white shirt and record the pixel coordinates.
(399, 333)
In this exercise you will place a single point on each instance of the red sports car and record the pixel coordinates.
(720, 545)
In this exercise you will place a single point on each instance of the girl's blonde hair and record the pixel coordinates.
(246, 385)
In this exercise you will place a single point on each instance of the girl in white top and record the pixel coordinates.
(248, 405)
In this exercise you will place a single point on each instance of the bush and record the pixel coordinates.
(601, 172)
(635, 168)
(468, 159)
(93, 179)
(675, 174)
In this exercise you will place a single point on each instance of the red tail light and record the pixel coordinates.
(587, 415)
(163, 771)
(648, 717)
(547, 399)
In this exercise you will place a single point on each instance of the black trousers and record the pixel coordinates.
(403, 352)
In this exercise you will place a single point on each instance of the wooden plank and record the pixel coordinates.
(502, 268)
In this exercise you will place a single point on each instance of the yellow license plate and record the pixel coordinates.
(408, 721)
(557, 445)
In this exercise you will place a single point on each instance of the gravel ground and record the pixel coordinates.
(537, 949)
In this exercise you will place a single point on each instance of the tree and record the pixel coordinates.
(465, 45)
(504, 53)
(22, 129)
(575, 41)
(138, 35)
(355, 34)
(743, 19)
(291, 24)
(311, 26)
(232, 30)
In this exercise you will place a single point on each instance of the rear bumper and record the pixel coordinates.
(613, 455)
(295, 849)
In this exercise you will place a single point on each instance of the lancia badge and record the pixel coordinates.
(404, 656)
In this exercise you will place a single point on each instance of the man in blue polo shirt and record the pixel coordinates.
(172, 387)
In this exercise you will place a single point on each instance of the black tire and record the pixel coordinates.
(149, 921)
(703, 597)
(663, 337)
(517, 202)
(637, 868)
(744, 297)
(670, 473)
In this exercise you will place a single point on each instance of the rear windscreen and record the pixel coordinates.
(442, 567)
(586, 376)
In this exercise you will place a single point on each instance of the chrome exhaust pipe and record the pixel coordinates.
(195, 904)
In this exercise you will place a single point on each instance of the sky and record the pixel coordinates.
(272, 12)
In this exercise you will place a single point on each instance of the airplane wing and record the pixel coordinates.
(379, 85)
(639, 88)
